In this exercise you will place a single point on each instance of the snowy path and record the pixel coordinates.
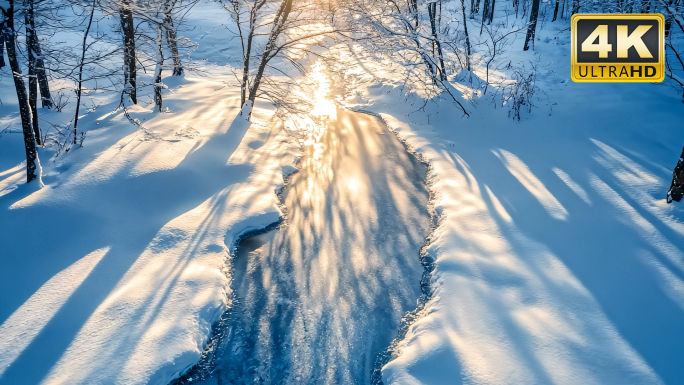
(320, 297)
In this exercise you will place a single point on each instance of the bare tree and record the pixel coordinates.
(555, 11)
(432, 12)
(35, 55)
(272, 47)
(395, 29)
(32, 81)
(158, 86)
(277, 30)
(495, 44)
(575, 6)
(32, 162)
(128, 32)
(485, 13)
(80, 69)
(167, 14)
(491, 13)
(676, 191)
(467, 37)
(246, 35)
(172, 38)
(532, 25)
(563, 10)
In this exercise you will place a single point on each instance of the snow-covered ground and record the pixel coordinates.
(557, 259)
(120, 275)
(113, 272)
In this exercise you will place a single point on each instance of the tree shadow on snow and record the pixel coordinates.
(620, 243)
(123, 212)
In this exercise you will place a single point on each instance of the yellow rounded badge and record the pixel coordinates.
(618, 47)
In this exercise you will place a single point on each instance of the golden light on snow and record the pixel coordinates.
(353, 184)
(324, 107)
(339, 205)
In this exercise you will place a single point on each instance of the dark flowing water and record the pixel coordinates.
(319, 298)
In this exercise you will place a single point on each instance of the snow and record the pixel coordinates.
(39, 172)
(115, 271)
(557, 259)
(126, 273)
(320, 297)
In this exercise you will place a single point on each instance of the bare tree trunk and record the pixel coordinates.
(172, 41)
(128, 31)
(491, 13)
(247, 55)
(676, 191)
(80, 70)
(43, 84)
(39, 67)
(32, 82)
(485, 9)
(432, 11)
(467, 37)
(246, 48)
(32, 162)
(413, 5)
(575, 6)
(563, 10)
(158, 71)
(532, 25)
(555, 11)
(271, 50)
(3, 27)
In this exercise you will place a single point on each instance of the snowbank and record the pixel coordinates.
(556, 257)
(114, 272)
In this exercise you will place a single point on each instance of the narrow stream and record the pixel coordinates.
(319, 298)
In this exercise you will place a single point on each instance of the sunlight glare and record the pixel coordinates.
(324, 107)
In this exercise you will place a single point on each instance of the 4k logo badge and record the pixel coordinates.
(618, 47)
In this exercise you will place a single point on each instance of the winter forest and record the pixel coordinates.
(334, 192)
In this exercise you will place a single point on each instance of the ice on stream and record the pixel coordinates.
(318, 299)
